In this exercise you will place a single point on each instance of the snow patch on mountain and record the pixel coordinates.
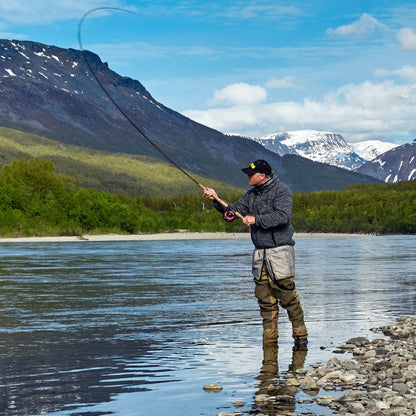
(319, 146)
(370, 149)
(397, 164)
(325, 147)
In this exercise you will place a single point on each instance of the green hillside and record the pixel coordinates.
(116, 173)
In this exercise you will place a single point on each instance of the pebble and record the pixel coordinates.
(213, 387)
(259, 398)
(380, 379)
(292, 382)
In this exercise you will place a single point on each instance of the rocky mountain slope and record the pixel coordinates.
(324, 147)
(370, 149)
(398, 164)
(49, 91)
(384, 161)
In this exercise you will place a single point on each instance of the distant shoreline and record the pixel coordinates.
(159, 237)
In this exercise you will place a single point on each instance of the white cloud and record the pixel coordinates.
(365, 26)
(12, 35)
(237, 10)
(358, 111)
(269, 10)
(229, 119)
(240, 94)
(407, 39)
(286, 82)
(29, 12)
(407, 72)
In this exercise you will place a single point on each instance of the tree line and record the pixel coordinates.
(35, 201)
(383, 208)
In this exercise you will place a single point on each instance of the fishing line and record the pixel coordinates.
(125, 115)
(138, 129)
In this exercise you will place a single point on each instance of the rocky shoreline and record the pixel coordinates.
(380, 380)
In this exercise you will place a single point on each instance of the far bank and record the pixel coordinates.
(159, 237)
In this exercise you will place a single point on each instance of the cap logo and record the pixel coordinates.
(253, 166)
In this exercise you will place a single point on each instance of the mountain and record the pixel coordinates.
(49, 91)
(319, 146)
(397, 164)
(370, 149)
(384, 161)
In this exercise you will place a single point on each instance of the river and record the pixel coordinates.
(139, 327)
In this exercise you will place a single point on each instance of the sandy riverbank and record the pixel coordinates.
(158, 237)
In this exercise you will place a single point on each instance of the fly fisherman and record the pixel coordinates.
(267, 209)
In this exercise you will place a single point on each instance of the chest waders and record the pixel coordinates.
(274, 274)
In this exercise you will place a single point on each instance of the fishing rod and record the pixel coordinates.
(229, 214)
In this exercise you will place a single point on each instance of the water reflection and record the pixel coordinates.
(80, 324)
(44, 370)
(137, 328)
(273, 394)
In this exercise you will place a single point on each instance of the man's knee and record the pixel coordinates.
(263, 292)
(289, 299)
(286, 285)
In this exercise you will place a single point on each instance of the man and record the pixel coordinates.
(267, 210)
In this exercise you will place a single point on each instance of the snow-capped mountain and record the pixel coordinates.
(50, 91)
(325, 147)
(370, 149)
(319, 146)
(397, 164)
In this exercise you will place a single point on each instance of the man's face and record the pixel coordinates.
(256, 179)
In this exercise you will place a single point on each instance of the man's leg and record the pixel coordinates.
(269, 309)
(285, 291)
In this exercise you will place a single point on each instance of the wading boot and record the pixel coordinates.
(270, 358)
(300, 336)
(298, 358)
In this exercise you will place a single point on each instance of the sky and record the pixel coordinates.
(250, 67)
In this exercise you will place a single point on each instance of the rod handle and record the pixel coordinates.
(223, 203)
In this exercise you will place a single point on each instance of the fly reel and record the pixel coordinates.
(228, 215)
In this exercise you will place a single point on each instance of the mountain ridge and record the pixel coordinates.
(49, 91)
(397, 164)
(385, 161)
(325, 147)
(370, 149)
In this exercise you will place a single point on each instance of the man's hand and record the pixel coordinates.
(210, 193)
(249, 220)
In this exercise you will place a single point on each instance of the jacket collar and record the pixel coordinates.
(263, 186)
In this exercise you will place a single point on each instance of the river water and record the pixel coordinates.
(139, 327)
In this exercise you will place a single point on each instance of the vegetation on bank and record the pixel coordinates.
(384, 208)
(35, 201)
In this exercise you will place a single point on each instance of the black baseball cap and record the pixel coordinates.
(259, 166)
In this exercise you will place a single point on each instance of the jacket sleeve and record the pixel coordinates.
(242, 205)
(281, 211)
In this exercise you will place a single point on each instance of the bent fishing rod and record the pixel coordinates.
(230, 214)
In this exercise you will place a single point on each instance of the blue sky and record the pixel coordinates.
(251, 67)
